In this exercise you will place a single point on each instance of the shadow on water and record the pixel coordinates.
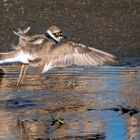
(70, 103)
(18, 103)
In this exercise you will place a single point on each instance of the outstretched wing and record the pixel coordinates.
(68, 53)
(14, 57)
(25, 40)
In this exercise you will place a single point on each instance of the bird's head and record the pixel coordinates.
(55, 33)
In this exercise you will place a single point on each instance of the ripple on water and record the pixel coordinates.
(68, 93)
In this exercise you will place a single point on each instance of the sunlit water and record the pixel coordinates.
(26, 112)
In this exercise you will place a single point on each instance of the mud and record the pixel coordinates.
(109, 25)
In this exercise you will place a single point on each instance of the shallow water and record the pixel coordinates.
(27, 112)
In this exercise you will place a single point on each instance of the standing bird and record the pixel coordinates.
(47, 52)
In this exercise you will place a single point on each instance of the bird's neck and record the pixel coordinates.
(48, 36)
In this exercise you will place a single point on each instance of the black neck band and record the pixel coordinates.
(48, 36)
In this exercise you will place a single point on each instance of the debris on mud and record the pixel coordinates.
(123, 110)
(58, 120)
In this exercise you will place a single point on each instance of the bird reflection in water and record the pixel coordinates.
(1, 75)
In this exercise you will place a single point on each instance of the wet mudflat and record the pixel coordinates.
(70, 103)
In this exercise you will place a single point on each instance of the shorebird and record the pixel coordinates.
(54, 33)
(46, 51)
(29, 46)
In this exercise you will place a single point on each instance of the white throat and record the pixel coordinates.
(52, 35)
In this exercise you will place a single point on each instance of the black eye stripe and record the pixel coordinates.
(58, 33)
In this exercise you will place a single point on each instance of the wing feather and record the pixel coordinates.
(68, 53)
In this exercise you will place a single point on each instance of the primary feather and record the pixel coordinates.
(68, 53)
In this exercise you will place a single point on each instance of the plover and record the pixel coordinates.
(29, 46)
(48, 52)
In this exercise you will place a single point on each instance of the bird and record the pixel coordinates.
(28, 45)
(48, 51)
(54, 33)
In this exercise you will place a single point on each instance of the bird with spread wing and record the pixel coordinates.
(48, 51)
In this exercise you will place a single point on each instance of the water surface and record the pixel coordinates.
(27, 112)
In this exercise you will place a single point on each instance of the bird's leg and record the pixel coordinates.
(20, 75)
(23, 70)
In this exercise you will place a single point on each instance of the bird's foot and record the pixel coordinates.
(19, 82)
(41, 73)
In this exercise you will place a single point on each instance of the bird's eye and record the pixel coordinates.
(57, 34)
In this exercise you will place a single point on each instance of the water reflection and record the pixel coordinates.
(133, 128)
(8, 129)
(1, 75)
(26, 112)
